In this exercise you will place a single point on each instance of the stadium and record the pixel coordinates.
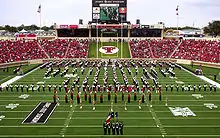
(109, 78)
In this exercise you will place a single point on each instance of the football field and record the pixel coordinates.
(123, 50)
(188, 114)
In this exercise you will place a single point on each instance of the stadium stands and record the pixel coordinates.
(199, 50)
(207, 51)
(11, 51)
(64, 48)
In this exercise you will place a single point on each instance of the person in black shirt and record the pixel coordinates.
(109, 129)
(105, 128)
(121, 125)
(7, 88)
(113, 128)
(117, 128)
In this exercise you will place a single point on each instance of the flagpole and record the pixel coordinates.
(121, 39)
(40, 20)
(177, 17)
(97, 33)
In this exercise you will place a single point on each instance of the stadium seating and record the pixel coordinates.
(199, 50)
(64, 48)
(11, 51)
(204, 50)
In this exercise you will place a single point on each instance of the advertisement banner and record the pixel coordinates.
(64, 26)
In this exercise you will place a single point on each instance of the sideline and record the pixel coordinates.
(3, 85)
(203, 78)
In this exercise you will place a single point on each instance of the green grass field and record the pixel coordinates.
(151, 122)
(8, 74)
(122, 53)
(207, 71)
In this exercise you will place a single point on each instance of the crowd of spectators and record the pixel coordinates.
(65, 48)
(11, 51)
(199, 50)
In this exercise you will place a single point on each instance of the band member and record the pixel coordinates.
(117, 128)
(121, 125)
(129, 97)
(93, 105)
(71, 98)
(177, 87)
(109, 96)
(22, 88)
(142, 98)
(140, 102)
(54, 98)
(95, 96)
(60, 88)
(166, 87)
(43, 87)
(199, 87)
(115, 97)
(122, 96)
(90, 98)
(85, 96)
(125, 106)
(7, 88)
(113, 128)
(135, 96)
(105, 128)
(109, 129)
(78, 98)
(160, 95)
(66, 98)
(149, 96)
(101, 98)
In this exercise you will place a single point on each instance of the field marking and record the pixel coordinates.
(134, 105)
(78, 111)
(110, 135)
(121, 100)
(100, 126)
(68, 119)
(157, 121)
(129, 118)
(31, 112)
(16, 78)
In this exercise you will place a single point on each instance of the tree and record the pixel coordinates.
(45, 28)
(213, 28)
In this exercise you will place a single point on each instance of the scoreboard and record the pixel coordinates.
(109, 11)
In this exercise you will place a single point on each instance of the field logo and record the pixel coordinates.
(178, 111)
(109, 50)
(2, 117)
(12, 106)
(40, 114)
(210, 105)
(24, 96)
(197, 96)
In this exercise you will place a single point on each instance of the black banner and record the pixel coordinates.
(40, 114)
(122, 3)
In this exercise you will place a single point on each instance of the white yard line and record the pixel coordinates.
(211, 111)
(129, 118)
(68, 119)
(157, 121)
(110, 136)
(100, 126)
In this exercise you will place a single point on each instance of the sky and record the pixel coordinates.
(191, 12)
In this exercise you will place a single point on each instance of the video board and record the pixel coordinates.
(109, 11)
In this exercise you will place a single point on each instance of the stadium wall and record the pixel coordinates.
(178, 61)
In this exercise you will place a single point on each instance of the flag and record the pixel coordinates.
(116, 114)
(177, 10)
(108, 119)
(39, 9)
